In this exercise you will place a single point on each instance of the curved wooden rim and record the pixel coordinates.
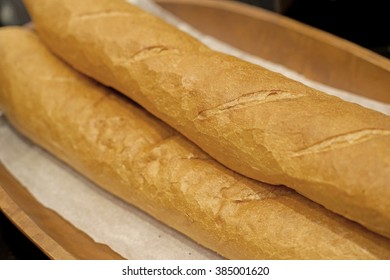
(55, 236)
(26, 225)
(362, 63)
(288, 23)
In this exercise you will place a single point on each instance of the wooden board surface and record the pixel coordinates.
(317, 55)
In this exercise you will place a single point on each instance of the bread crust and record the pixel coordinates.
(135, 156)
(254, 121)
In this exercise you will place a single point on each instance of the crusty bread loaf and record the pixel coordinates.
(140, 159)
(256, 122)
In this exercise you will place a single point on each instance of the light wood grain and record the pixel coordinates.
(317, 55)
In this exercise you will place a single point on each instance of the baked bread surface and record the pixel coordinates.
(135, 156)
(256, 122)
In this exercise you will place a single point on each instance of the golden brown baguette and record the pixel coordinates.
(140, 159)
(258, 123)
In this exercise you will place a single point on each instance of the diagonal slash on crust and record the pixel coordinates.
(341, 141)
(101, 14)
(249, 100)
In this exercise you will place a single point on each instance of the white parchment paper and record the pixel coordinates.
(107, 219)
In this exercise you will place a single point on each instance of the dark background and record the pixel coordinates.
(14, 245)
(366, 23)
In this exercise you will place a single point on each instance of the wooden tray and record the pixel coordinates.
(317, 55)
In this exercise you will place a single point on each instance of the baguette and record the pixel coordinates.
(135, 156)
(256, 122)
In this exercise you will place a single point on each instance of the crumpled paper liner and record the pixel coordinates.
(107, 219)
